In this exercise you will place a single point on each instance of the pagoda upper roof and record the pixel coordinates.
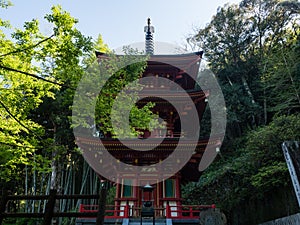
(180, 60)
(183, 63)
(183, 55)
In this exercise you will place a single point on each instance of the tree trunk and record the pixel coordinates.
(265, 109)
(246, 86)
(102, 204)
(55, 173)
(291, 77)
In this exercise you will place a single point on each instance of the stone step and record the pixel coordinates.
(145, 223)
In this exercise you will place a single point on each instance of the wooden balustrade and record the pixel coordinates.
(172, 212)
(186, 211)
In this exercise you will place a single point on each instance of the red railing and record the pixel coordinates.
(110, 212)
(186, 211)
(158, 212)
(172, 212)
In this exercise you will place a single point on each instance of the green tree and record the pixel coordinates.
(5, 3)
(61, 58)
(20, 136)
(269, 22)
(282, 75)
(39, 76)
(236, 43)
(227, 41)
(253, 172)
(256, 42)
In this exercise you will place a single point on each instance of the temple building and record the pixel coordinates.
(170, 75)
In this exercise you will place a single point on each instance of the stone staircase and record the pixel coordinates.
(147, 222)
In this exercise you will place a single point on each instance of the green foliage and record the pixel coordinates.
(116, 78)
(100, 46)
(254, 52)
(111, 194)
(269, 177)
(35, 129)
(5, 3)
(113, 103)
(282, 76)
(239, 43)
(253, 49)
(251, 171)
(109, 93)
(20, 94)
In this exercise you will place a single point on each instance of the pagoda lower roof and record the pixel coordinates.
(127, 152)
(167, 144)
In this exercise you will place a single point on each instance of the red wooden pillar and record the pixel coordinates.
(177, 187)
(117, 196)
(168, 210)
(178, 195)
(126, 211)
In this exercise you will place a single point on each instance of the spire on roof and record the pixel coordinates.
(149, 45)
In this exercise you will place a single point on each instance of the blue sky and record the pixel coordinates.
(122, 22)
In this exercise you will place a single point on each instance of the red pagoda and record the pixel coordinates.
(163, 196)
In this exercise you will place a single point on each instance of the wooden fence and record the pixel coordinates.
(49, 212)
(289, 220)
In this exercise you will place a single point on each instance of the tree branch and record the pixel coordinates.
(32, 75)
(18, 121)
(30, 47)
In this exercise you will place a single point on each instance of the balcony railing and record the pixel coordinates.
(186, 211)
(169, 212)
(110, 212)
